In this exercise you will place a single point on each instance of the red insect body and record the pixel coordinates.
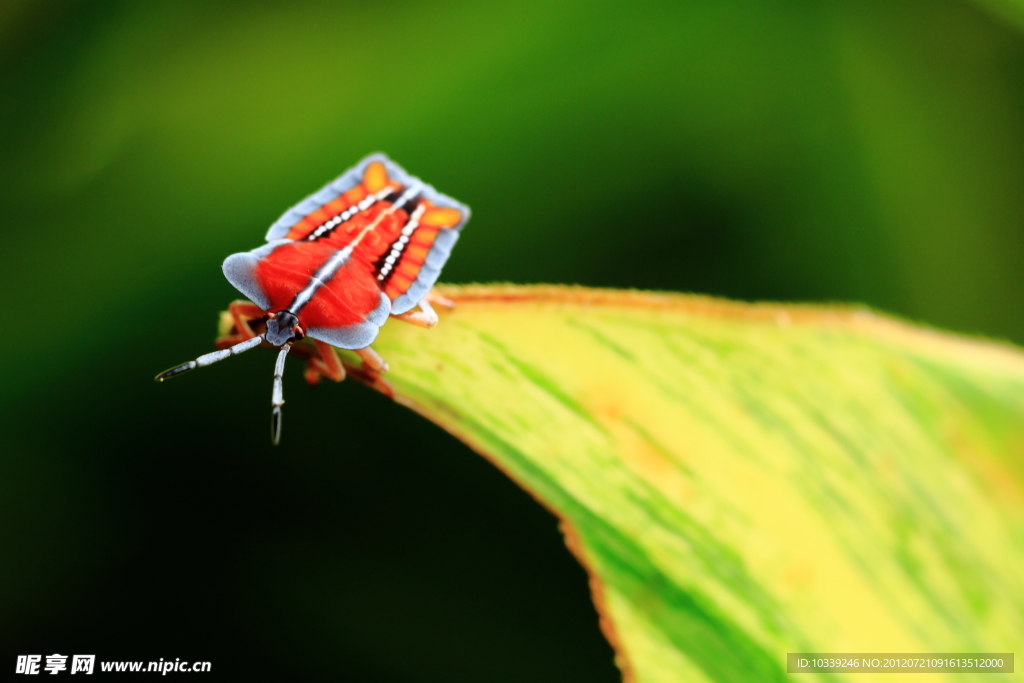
(345, 300)
(368, 245)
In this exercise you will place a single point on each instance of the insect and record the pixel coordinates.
(368, 246)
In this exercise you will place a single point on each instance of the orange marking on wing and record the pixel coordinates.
(424, 235)
(421, 244)
(440, 218)
(356, 194)
(415, 252)
(397, 285)
(316, 218)
(400, 281)
(375, 178)
(299, 231)
(335, 207)
(408, 270)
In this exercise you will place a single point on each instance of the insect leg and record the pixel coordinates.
(425, 317)
(435, 298)
(328, 364)
(372, 360)
(211, 358)
(242, 313)
(277, 397)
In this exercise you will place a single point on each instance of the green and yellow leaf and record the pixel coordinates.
(744, 481)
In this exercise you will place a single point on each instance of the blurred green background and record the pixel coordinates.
(864, 151)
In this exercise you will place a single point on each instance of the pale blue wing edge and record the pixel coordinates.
(349, 179)
(240, 270)
(357, 336)
(431, 270)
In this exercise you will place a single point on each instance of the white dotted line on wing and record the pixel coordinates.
(341, 257)
(348, 213)
(431, 270)
(349, 179)
(399, 245)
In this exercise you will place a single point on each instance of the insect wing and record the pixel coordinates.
(368, 244)
(339, 199)
(241, 270)
(411, 264)
(406, 255)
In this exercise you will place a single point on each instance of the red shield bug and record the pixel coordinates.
(367, 246)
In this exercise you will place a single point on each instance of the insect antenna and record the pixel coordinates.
(277, 398)
(211, 358)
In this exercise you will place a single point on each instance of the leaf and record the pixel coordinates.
(744, 481)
